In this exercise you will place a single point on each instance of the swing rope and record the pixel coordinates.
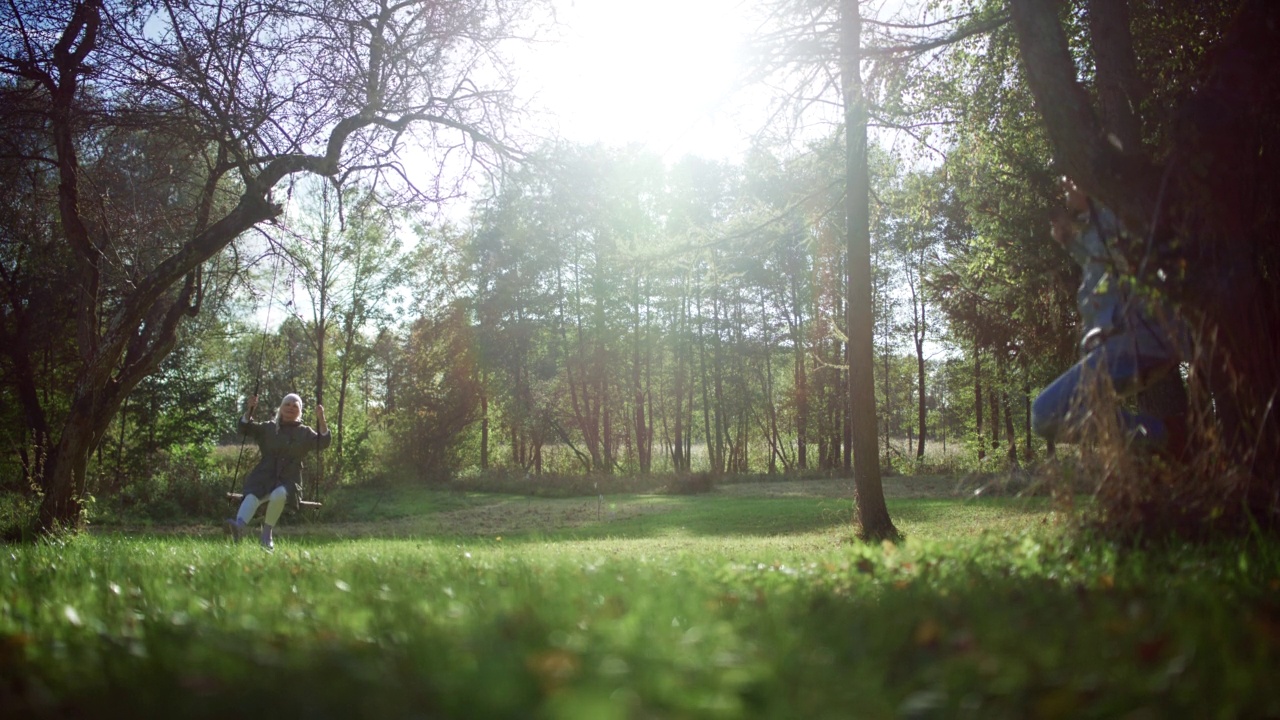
(257, 383)
(319, 474)
(257, 386)
(315, 477)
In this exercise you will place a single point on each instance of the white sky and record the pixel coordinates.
(661, 73)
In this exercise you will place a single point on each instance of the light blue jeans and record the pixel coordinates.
(275, 506)
(1129, 361)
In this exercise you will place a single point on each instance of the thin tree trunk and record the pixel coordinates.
(872, 511)
(977, 400)
(1026, 401)
(1001, 372)
(719, 414)
(918, 330)
(484, 425)
(637, 388)
(846, 377)
(799, 343)
(993, 394)
(703, 381)
(124, 418)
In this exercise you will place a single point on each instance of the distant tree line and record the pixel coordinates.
(166, 253)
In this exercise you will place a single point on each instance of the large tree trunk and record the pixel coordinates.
(872, 511)
(1120, 90)
(1215, 197)
(1120, 93)
(100, 390)
(66, 467)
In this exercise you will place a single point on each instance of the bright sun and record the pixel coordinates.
(660, 73)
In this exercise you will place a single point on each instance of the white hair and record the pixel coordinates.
(291, 396)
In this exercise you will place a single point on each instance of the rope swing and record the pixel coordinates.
(232, 495)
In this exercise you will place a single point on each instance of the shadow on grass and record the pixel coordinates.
(924, 511)
(1005, 633)
(467, 517)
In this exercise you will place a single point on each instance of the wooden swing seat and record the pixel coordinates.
(302, 503)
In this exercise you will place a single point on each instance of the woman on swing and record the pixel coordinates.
(284, 441)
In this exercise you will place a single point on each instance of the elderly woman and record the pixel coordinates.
(284, 441)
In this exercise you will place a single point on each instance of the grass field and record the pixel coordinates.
(749, 602)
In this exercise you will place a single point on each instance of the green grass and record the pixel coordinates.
(656, 607)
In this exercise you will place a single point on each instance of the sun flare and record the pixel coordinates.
(661, 74)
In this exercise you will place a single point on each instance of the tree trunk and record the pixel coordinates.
(772, 436)
(993, 394)
(846, 407)
(886, 387)
(65, 469)
(321, 331)
(921, 407)
(799, 347)
(1026, 410)
(872, 511)
(1119, 85)
(708, 435)
(1215, 214)
(642, 432)
(1012, 453)
(977, 400)
(719, 414)
(484, 427)
(585, 410)
(802, 412)
(1002, 364)
(678, 458)
(115, 366)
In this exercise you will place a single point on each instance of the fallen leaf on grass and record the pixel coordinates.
(553, 667)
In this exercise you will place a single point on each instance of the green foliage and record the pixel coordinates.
(609, 315)
(17, 511)
(181, 481)
(437, 399)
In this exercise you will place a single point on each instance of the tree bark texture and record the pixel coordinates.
(873, 514)
(1209, 211)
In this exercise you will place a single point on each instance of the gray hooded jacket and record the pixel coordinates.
(283, 447)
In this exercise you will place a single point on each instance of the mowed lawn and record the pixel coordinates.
(748, 602)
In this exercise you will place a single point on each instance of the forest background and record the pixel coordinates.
(597, 312)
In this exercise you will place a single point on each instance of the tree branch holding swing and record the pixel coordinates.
(213, 108)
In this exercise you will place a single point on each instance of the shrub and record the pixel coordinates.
(1200, 491)
(692, 484)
